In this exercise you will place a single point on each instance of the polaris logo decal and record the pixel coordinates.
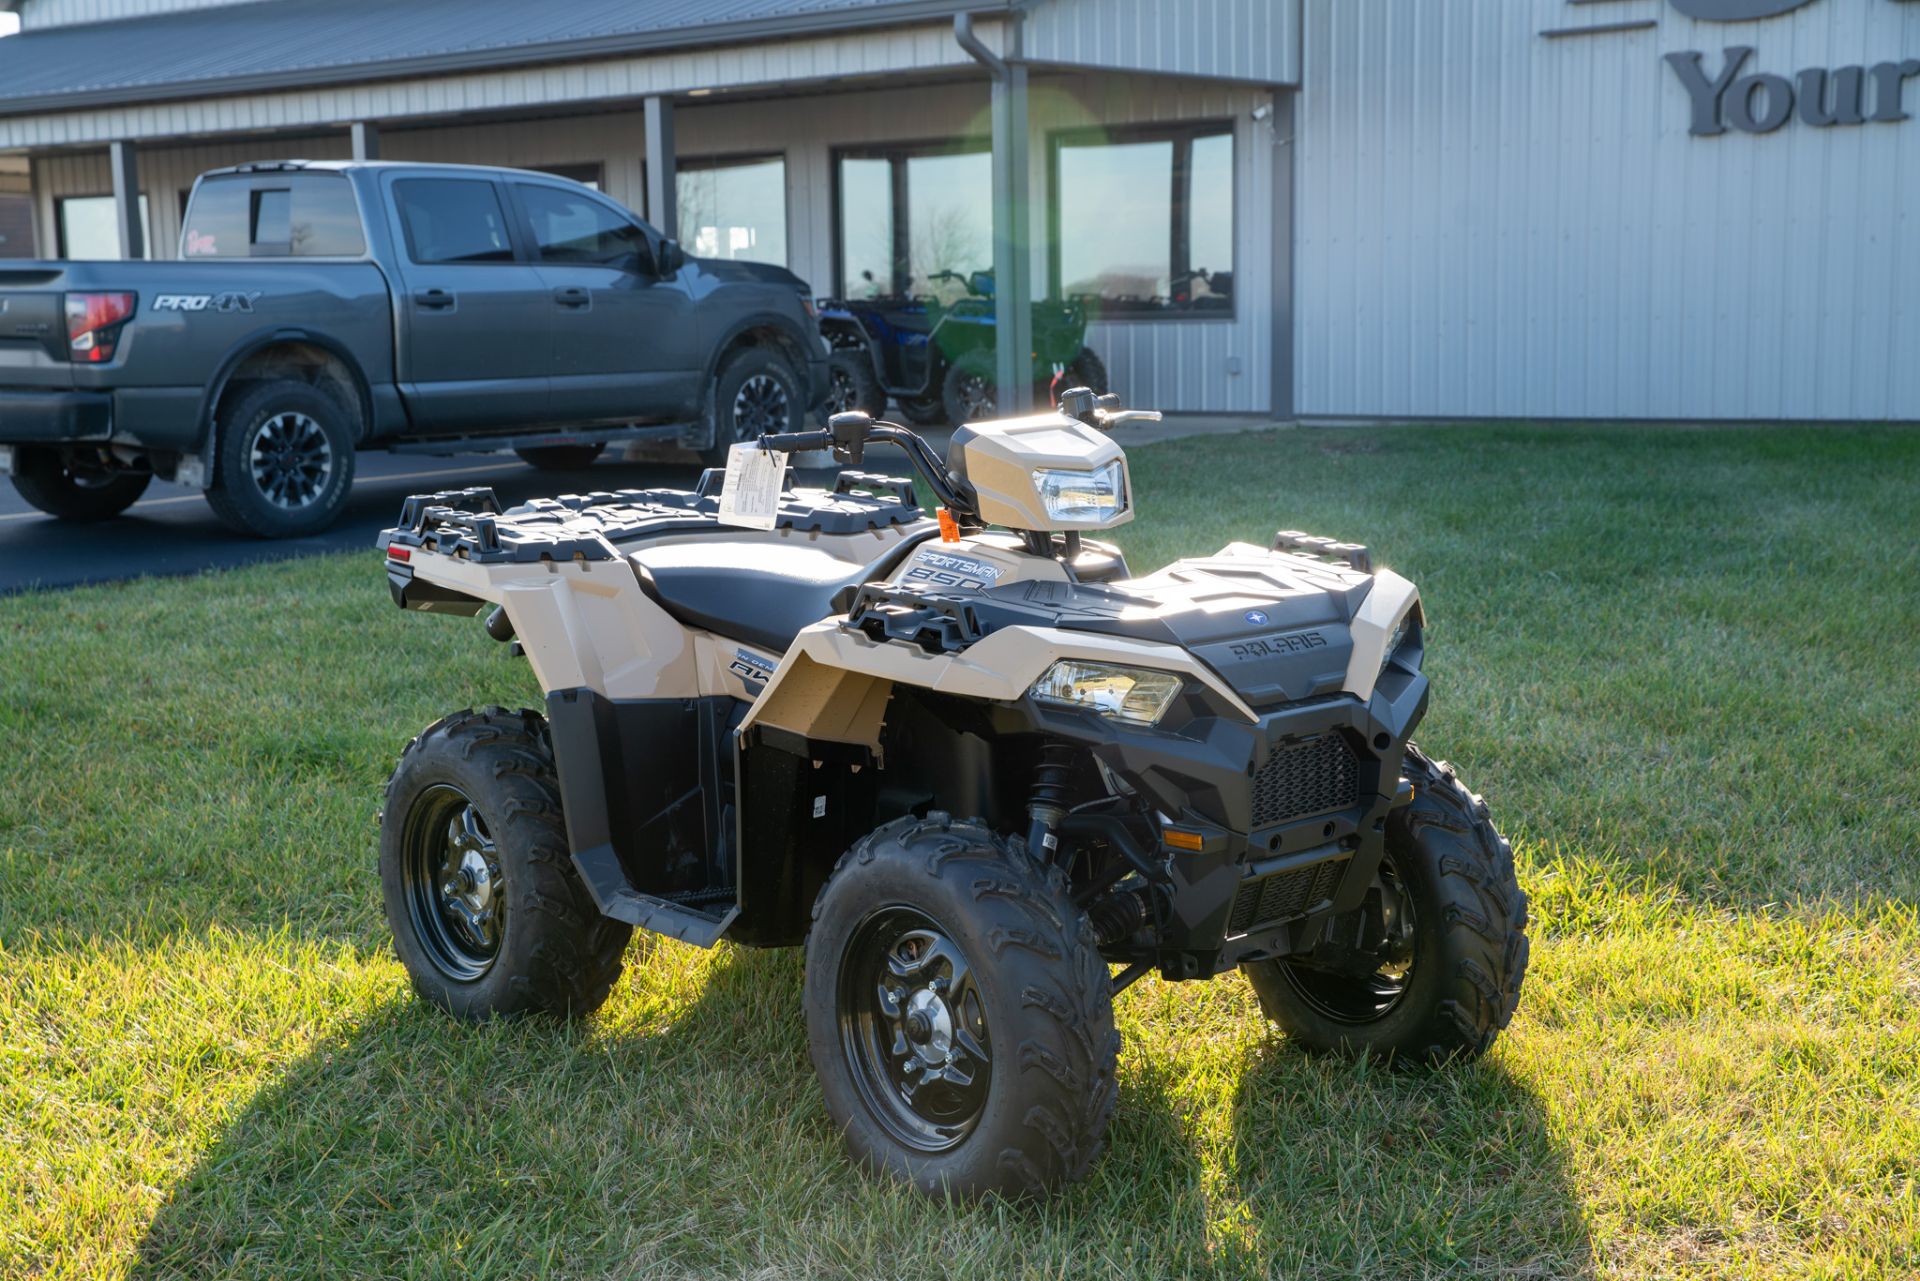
(941, 569)
(234, 300)
(1278, 646)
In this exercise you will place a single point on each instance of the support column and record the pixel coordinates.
(121, 159)
(1012, 243)
(663, 197)
(366, 139)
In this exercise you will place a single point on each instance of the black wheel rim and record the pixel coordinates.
(840, 392)
(290, 459)
(913, 1028)
(976, 397)
(456, 896)
(1366, 998)
(761, 407)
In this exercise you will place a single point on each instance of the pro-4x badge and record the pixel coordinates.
(1257, 618)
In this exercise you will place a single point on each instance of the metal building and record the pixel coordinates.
(1660, 209)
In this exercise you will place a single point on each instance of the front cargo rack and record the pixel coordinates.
(1354, 555)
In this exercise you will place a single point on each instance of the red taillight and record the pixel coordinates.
(399, 553)
(94, 322)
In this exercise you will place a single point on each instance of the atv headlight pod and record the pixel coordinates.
(1100, 494)
(1135, 694)
(1393, 644)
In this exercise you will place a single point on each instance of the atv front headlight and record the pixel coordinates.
(1100, 494)
(1134, 694)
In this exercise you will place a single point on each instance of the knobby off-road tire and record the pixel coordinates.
(74, 493)
(1469, 937)
(283, 461)
(561, 457)
(968, 391)
(1028, 986)
(757, 392)
(851, 384)
(489, 775)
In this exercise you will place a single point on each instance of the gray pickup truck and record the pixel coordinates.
(320, 308)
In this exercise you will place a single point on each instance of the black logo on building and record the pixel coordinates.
(1737, 10)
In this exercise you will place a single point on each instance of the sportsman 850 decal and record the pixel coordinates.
(943, 569)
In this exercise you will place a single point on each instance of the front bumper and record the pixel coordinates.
(36, 417)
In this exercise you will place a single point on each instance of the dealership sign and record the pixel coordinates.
(1761, 102)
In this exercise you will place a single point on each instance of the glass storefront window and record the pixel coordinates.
(913, 221)
(734, 208)
(86, 229)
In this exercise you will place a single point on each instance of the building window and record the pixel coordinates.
(912, 220)
(1143, 220)
(85, 228)
(453, 220)
(734, 208)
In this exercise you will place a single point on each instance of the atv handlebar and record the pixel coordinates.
(848, 436)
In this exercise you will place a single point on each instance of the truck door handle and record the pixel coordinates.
(433, 299)
(573, 297)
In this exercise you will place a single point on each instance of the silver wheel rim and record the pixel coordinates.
(290, 459)
(761, 407)
(976, 397)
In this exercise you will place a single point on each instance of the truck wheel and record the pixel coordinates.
(851, 385)
(284, 462)
(756, 394)
(1447, 973)
(488, 915)
(72, 491)
(958, 1012)
(561, 457)
(968, 390)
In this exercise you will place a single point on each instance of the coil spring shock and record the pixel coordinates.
(1047, 802)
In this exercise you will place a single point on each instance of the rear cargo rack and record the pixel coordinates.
(1355, 555)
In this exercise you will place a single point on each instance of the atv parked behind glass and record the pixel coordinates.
(984, 775)
(936, 359)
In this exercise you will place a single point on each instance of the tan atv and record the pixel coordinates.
(971, 769)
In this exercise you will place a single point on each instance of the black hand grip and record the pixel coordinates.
(797, 441)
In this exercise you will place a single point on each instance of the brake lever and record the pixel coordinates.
(1111, 418)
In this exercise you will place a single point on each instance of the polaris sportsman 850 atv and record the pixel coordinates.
(972, 770)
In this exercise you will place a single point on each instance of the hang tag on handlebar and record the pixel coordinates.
(750, 493)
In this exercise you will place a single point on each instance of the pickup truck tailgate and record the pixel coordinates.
(33, 328)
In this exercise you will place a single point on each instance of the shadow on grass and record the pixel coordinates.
(694, 1143)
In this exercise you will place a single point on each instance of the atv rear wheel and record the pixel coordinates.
(71, 490)
(851, 385)
(1086, 370)
(488, 915)
(1450, 923)
(958, 1012)
(561, 457)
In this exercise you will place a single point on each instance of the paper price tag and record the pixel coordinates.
(750, 494)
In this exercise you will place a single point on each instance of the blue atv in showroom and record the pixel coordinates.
(936, 359)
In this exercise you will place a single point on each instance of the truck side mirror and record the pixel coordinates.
(672, 259)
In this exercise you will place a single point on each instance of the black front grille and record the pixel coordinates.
(1303, 779)
(1267, 899)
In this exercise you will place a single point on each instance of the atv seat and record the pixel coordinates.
(758, 591)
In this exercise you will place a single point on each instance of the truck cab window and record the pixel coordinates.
(273, 220)
(453, 220)
(572, 227)
(307, 215)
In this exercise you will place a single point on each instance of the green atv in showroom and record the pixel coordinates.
(936, 359)
(983, 774)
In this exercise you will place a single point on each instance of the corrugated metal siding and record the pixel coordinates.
(1172, 365)
(1254, 40)
(37, 15)
(1492, 224)
(787, 62)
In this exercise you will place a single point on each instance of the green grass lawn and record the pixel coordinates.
(1680, 664)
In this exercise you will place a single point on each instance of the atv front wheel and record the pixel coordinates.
(1447, 923)
(71, 490)
(488, 915)
(851, 385)
(968, 391)
(925, 411)
(958, 1012)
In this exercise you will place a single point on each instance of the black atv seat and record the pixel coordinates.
(760, 592)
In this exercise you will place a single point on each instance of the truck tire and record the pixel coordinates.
(488, 915)
(72, 492)
(756, 393)
(958, 1012)
(851, 385)
(1452, 982)
(561, 457)
(283, 459)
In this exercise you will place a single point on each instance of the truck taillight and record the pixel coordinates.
(94, 322)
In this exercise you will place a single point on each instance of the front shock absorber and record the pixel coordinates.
(1047, 802)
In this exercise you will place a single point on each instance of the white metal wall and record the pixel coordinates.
(1192, 364)
(1251, 40)
(1494, 224)
(36, 14)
